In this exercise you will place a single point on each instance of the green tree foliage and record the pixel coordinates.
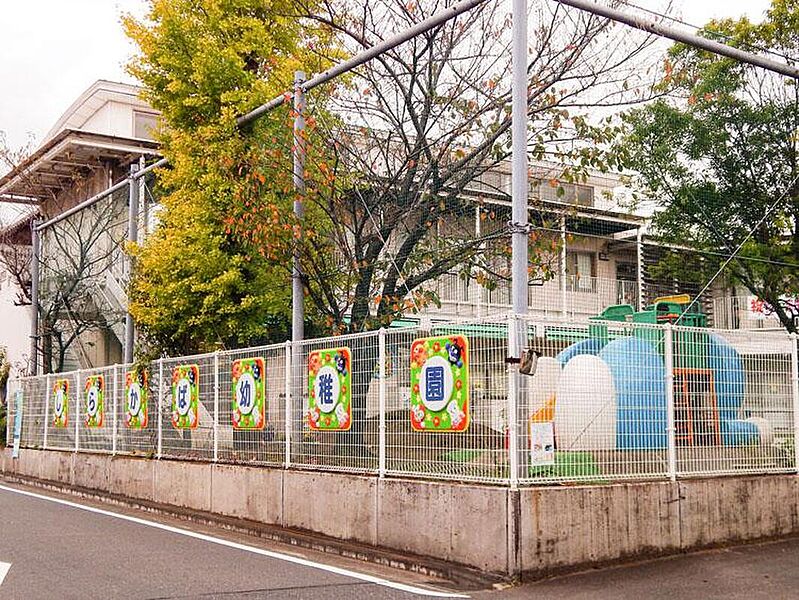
(719, 150)
(203, 63)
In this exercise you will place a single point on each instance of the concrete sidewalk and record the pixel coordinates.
(768, 570)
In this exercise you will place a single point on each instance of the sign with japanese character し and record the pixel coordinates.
(94, 390)
(440, 383)
(330, 389)
(136, 395)
(249, 393)
(61, 403)
(185, 397)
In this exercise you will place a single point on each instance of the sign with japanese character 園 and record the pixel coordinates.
(249, 393)
(185, 397)
(440, 383)
(61, 403)
(330, 389)
(94, 390)
(136, 396)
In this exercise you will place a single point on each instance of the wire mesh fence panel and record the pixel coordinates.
(137, 406)
(34, 395)
(595, 408)
(252, 405)
(61, 411)
(96, 401)
(734, 407)
(334, 391)
(446, 398)
(187, 421)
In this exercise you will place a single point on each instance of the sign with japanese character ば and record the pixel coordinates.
(330, 389)
(248, 394)
(185, 397)
(95, 395)
(440, 383)
(136, 396)
(61, 403)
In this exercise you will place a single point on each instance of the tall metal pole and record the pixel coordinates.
(297, 329)
(33, 366)
(651, 25)
(133, 236)
(297, 312)
(517, 409)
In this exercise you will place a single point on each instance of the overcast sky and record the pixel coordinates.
(52, 50)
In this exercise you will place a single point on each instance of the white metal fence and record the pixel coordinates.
(607, 401)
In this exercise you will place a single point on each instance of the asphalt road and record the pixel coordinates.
(61, 551)
(63, 547)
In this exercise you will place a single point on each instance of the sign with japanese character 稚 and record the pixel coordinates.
(249, 394)
(330, 389)
(94, 390)
(440, 383)
(136, 395)
(61, 403)
(185, 397)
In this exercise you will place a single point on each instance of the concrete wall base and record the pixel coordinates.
(532, 531)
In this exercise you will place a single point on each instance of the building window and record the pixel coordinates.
(581, 271)
(144, 125)
(569, 193)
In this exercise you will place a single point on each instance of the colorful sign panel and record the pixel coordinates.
(330, 389)
(440, 383)
(185, 397)
(94, 390)
(249, 393)
(136, 395)
(61, 403)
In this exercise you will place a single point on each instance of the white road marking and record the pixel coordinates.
(243, 547)
(4, 567)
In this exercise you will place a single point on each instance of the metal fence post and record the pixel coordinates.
(216, 406)
(77, 410)
(46, 409)
(287, 416)
(671, 447)
(115, 409)
(160, 419)
(513, 439)
(795, 394)
(381, 398)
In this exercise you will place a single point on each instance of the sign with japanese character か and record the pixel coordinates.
(94, 390)
(185, 397)
(61, 403)
(136, 395)
(330, 389)
(440, 383)
(249, 394)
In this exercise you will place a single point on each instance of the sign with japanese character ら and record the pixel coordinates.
(185, 397)
(61, 403)
(249, 393)
(94, 389)
(440, 383)
(136, 395)
(330, 389)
